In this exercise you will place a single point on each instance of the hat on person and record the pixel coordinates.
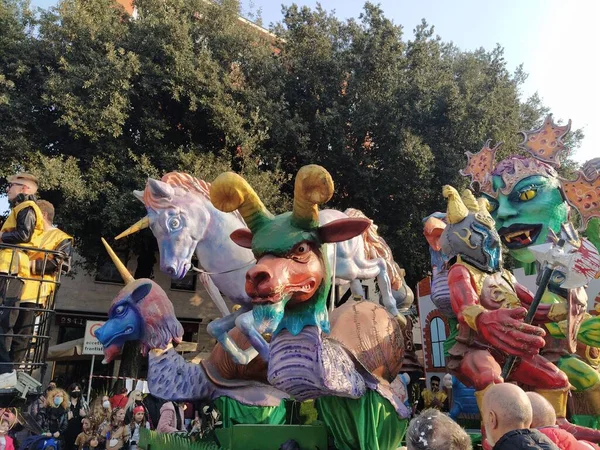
(138, 409)
(26, 179)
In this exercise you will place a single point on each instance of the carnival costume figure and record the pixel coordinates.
(489, 305)
(530, 202)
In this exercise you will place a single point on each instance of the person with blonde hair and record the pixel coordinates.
(52, 418)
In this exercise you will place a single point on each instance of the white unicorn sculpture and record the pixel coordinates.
(184, 221)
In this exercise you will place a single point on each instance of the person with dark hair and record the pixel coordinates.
(23, 228)
(45, 267)
(434, 397)
(433, 430)
(78, 409)
(119, 400)
(506, 415)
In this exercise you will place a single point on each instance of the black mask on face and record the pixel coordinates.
(75, 394)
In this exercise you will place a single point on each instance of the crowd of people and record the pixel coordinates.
(512, 419)
(108, 423)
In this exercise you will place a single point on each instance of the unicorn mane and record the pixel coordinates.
(376, 247)
(183, 181)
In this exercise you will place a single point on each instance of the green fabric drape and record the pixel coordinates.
(451, 340)
(366, 423)
(234, 412)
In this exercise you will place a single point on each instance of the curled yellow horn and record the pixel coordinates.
(138, 226)
(313, 186)
(457, 211)
(230, 192)
(127, 278)
(469, 200)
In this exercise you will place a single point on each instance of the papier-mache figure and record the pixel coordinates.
(530, 202)
(490, 307)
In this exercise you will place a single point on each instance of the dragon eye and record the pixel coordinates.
(120, 310)
(174, 223)
(527, 195)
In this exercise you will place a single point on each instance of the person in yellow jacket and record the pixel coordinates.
(45, 267)
(23, 228)
(434, 397)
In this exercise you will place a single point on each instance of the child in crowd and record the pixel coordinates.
(115, 434)
(85, 437)
(139, 421)
(7, 420)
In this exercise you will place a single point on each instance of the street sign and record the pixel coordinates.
(91, 344)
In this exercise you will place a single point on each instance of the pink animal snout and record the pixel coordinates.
(259, 281)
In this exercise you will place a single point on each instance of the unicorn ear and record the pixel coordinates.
(160, 189)
(140, 292)
(139, 195)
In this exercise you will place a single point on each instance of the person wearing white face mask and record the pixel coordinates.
(52, 419)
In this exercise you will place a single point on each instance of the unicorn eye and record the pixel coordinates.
(174, 223)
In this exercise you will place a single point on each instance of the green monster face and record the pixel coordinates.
(526, 214)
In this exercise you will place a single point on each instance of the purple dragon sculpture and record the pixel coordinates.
(142, 311)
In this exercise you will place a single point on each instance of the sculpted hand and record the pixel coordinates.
(56, 435)
(505, 330)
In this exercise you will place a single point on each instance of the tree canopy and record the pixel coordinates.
(94, 102)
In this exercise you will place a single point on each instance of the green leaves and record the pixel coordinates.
(95, 102)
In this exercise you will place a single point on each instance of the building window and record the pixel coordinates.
(437, 330)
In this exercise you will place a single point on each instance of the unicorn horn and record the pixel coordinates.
(313, 186)
(127, 278)
(139, 225)
(230, 191)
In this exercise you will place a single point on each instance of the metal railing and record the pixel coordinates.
(31, 318)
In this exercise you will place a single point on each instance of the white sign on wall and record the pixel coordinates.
(91, 344)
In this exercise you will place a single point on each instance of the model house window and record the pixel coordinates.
(438, 336)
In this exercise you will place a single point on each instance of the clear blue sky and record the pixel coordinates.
(556, 40)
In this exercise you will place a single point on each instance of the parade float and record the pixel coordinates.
(532, 208)
(185, 223)
(310, 353)
(529, 202)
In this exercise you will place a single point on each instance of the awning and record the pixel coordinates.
(65, 350)
(74, 348)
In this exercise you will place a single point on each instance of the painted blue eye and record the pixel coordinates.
(120, 310)
(175, 223)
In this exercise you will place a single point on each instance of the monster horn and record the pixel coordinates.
(139, 225)
(484, 206)
(230, 192)
(127, 278)
(313, 186)
(457, 211)
(469, 200)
